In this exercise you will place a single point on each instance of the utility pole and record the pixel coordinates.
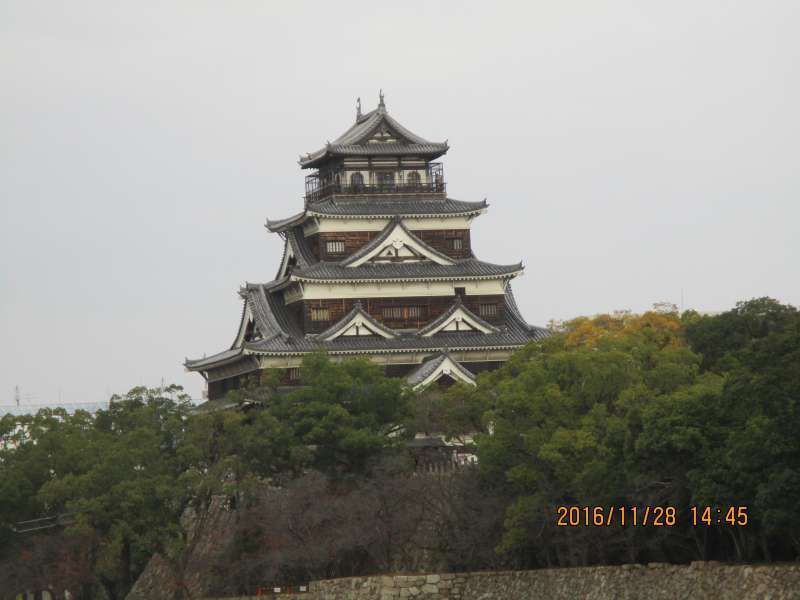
(16, 395)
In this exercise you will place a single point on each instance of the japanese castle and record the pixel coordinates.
(378, 264)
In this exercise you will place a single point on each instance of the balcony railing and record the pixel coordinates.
(380, 188)
(344, 183)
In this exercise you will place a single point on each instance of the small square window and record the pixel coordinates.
(458, 243)
(320, 314)
(335, 247)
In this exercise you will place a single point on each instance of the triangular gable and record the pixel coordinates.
(396, 244)
(378, 126)
(358, 323)
(385, 134)
(457, 318)
(436, 368)
(358, 327)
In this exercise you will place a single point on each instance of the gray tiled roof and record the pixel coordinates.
(468, 268)
(428, 366)
(352, 141)
(379, 240)
(395, 206)
(383, 149)
(300, 250)
(215, 360)
(378, 206)
(409, 342)
(366, 124)
(300, 247)
(515, 315)
(265, 317)
(281, 224)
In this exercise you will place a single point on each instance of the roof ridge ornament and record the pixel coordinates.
(381, 103)
(358, 108)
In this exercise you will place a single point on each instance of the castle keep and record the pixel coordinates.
(379, 264)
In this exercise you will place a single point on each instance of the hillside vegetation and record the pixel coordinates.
(657, 409)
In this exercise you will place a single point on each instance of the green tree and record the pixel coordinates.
(345, 413)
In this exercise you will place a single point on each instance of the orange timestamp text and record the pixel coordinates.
(649, 516)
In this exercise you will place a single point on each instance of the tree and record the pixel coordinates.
(347, 412)
(116, 473)
(568, 415)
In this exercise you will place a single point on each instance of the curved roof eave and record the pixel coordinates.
(278, 225)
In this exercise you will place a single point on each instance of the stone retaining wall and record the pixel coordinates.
(657, 581)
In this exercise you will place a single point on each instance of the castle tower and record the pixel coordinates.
(378, 264)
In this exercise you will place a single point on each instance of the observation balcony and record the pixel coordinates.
(352, 183)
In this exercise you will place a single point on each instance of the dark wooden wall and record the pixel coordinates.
(432, 305)
(218, 389)
(440, 239)
(353, 241)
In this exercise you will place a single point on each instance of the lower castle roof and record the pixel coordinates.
(470, 268)
(281, 335)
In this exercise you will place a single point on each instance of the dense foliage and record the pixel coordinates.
(123, 477)
(623, 411)
(658, 409)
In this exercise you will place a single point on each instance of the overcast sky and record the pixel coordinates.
(628, 150)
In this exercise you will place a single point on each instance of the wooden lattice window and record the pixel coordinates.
(415, 312)
(487, 310)
(320, 314)
(413, 178)
(335, 247)
(392, 312)
(404, 313)
(457, 243)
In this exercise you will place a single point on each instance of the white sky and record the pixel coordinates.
(629, 150)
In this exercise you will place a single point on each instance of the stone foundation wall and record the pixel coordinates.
(209, 536)
(657, 581)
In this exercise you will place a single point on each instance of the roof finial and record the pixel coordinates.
(358, 108)
(380, 99)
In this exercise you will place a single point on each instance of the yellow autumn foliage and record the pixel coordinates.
(662, 329)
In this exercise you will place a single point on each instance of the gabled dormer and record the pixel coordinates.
(357, 323)
(396, 244)
(440, 368)
(458, 318)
